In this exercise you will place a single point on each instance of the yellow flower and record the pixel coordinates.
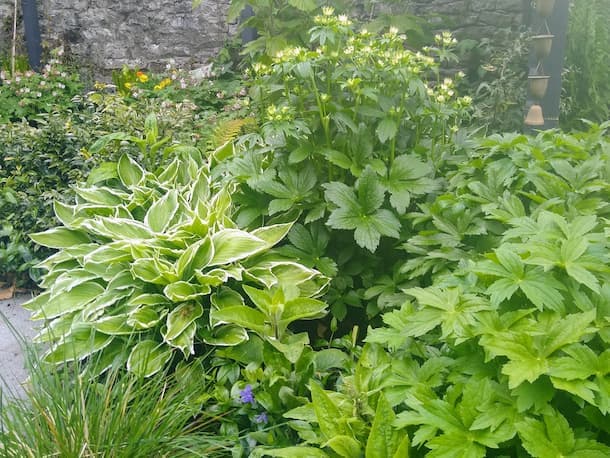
(128, 85)
(143, 77)
(162, 84)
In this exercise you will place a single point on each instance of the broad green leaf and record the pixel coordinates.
(145, 317)
(240, 315)
(185, 341)
(77, 346)
(64, 213)
(329, 358)
(130, 173)
(114, 325)
(183, 291)
(69, 301)
(303, 308)
(384, 439)
(582, 275)
(160, 214)
(119, 228)
(102, 195)
(554, 437)
(147, 270)
(584, 389)
(344, 446)
(60, 237)
(104, 171)
(304, 5)
(148, 357)
(272, 234)
(295, 452)
(327, 413)
(232, 245)
(180, 318)
(225, 336)
(341, 195)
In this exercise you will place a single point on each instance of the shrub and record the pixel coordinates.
(27, 95)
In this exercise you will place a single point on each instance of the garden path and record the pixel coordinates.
(15, 326)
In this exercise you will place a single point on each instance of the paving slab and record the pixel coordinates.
(15, 330)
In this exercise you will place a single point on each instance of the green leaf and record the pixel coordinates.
(180, 318)
(160, 214)
(232, 245)
(240, 315)
(295, 452)
(341, 195)
(384, 439)
(272, 234)
(327, 413)
(195, 257)
(77, 346)
(69, 301)
(183, 291)
(103, 172)
(148, 357)
(60, 237)
(344, 446)
(130, 173)
(387, 129)
(304, 5)
(225, 336)
(371, 192)
(185, 341)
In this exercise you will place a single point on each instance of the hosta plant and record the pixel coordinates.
(151, 268)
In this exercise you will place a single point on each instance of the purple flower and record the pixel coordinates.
(261, 419)
(246, 395)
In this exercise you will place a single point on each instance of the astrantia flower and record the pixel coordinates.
(246, 396)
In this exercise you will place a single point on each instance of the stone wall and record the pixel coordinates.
(147, 33)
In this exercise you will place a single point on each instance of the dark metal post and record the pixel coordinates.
(32, 33)
(553, 65)
(248, 34)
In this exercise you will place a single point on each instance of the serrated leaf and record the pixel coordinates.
(386, 129)
(371, 193)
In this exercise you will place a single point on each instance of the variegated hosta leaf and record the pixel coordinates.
(148, 357)
(78, 345)
(145, 265)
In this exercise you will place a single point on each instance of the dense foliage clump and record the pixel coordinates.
(347, 269)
